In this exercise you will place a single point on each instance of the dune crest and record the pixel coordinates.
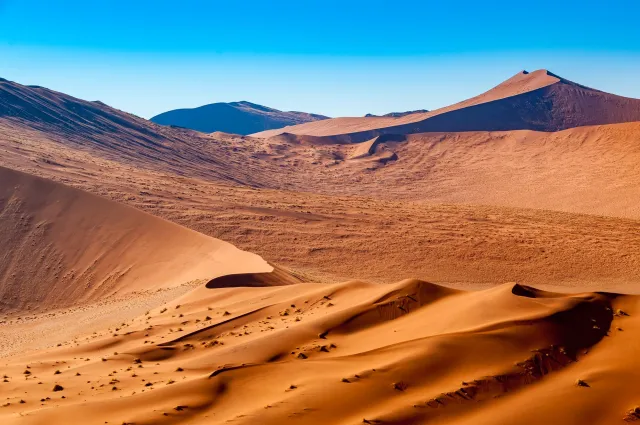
(354, 352)
(538, 100)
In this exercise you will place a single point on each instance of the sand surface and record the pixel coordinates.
(325, 312)
(64, 247)
(568, 238)
(404, 353)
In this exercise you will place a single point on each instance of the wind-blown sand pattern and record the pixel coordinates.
(410, 352)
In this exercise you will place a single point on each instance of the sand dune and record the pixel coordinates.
(63, 247)
(32, 113)
(398, 114)
(411, 352)
(583, 170)
(538, 101)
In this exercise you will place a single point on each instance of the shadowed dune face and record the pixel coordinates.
(62, 247)
(410, 352)
(277, 277)
(538, 101)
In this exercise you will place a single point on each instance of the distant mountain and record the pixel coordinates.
(235, 117)
(537, 100)
(399, 114)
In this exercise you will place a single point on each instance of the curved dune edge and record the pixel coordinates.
(64, 247)
(410, 352)
(276, 277)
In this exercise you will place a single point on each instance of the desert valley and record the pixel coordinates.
(237, 264)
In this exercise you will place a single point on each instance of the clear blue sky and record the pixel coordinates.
(331, 57)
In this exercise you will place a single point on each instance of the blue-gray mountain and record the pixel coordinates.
(235, 117)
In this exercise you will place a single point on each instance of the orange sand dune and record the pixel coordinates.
(93, 128)
(538, 100)
(349, 353)
(62, 247)
(583, 170)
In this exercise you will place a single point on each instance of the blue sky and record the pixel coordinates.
(331, 57)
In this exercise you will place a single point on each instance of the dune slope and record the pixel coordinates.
(538, 100)
(408, 353)
(337, 236)
(62, 247)
(30, 112)
(585, 170)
